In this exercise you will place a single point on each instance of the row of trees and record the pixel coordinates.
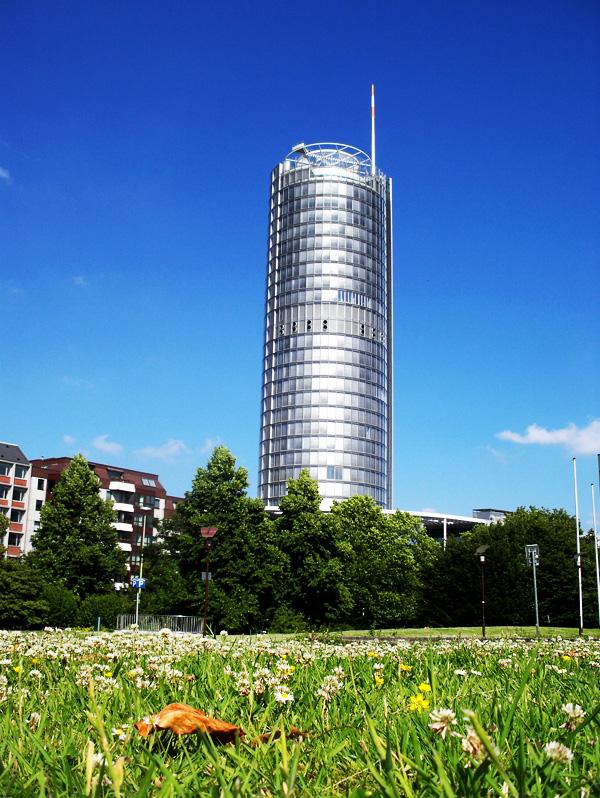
(354, 567)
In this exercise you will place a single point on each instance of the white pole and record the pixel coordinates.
(596, 550)
(535, 598)
(139, 590)
(445, 532)
(578, 548)
(372, 128)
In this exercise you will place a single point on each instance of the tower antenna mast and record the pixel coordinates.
(372, 128)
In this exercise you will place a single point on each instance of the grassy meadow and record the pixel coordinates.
(316, 717)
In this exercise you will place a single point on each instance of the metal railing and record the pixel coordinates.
(191, 624)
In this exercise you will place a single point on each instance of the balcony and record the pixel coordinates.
(22, 483)
(18, 505)
(123, 508)
(3, 502)
(14, 527)
(13, 551)
(121, 527)
(124, 546)
(129, 487)
(4, 480)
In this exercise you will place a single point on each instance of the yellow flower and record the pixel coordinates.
(418, 703)
(371, 653)
(566, 658)
(424, 687)
(17, 669)
(404, 667)
(108, 674)
(378, 679)
(132, 673)
(35, 660)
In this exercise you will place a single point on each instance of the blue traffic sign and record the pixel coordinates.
(138, 582)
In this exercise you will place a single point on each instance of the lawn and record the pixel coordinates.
(373, 717)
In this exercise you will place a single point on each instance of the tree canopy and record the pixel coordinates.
(76, 543)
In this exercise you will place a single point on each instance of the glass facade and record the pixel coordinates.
(327, 376)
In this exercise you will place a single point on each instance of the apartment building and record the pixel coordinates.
(15, 476)
(139, 500)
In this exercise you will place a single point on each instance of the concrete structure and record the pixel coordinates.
(327, 374)
(15, 475)
(136, 495)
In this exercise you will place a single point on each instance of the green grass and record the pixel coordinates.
(492, 632)
(65, 699)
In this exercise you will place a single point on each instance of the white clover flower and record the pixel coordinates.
(34, 720)
(558, 752)
(460, 672)
(575, 716)
(441, 721)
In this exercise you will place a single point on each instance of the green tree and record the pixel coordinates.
(76, 543)
(316, 589)
(386, 556)
(454, 585)
(21, 602)
(244, 562)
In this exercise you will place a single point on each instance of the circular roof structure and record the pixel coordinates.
(330, 156)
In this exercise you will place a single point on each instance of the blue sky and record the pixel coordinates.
(136, 142)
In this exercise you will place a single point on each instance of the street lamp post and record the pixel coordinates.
(208, 533)
(141, 573)
(480, 552)
(532, 554)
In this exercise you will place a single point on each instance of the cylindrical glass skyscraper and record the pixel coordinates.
(327, 380)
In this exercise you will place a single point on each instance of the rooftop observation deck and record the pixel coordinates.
(330, 158)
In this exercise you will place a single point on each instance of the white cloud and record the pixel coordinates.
(5, 175)
(80, 280)
(102, 443)
(209, 444)
(495, 453)
(577, 440)
(167, 451)
(77, 382)
(69, 440)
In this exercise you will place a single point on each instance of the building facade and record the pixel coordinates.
(15, 484)
(327, 373)
(138, 497)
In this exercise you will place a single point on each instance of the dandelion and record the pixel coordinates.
(575, 716)
(558, 752)
(424, 687)
(17, 669)
(405, 668)
(379, 680)
(566, 658)
(283, 695)
(418, 703)
(441, 721)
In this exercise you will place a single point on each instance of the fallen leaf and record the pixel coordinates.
(183, 719)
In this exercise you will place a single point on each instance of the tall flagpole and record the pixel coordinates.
(372, 128)
(596, 550)
(578, 548)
